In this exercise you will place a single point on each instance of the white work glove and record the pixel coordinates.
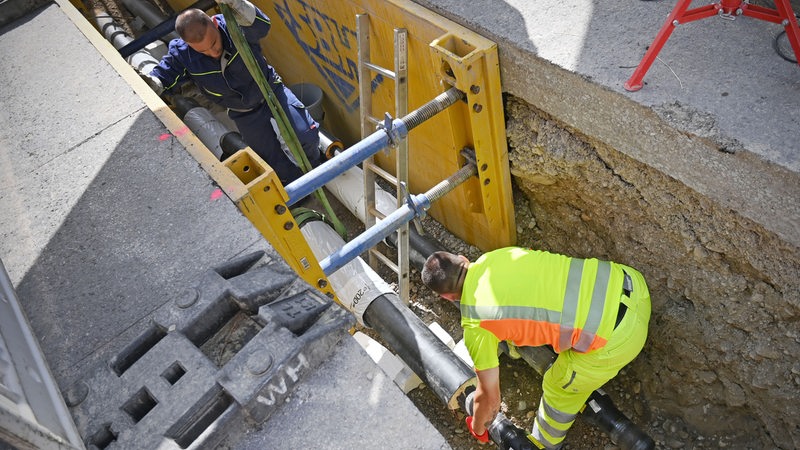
(243, 11)
(284, 147)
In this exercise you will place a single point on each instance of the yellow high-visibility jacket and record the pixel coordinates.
(535, 298)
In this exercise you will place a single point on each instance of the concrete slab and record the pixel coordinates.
(106, 218)
(373, 414)
(722, 67)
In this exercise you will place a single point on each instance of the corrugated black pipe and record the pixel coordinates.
(601, 411)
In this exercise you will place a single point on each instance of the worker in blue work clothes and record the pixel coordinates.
(206, 55)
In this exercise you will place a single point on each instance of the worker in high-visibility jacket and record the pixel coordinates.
(207, 55)
(593, 313)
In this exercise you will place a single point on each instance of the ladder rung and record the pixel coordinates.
(380, 172)
(381, 70)
(374, 212)
(385, 259)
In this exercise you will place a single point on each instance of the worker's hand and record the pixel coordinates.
(244, 12)
(483, 438)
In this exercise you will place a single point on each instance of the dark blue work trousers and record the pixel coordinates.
(257, 130)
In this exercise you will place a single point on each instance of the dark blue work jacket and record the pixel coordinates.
(232, 88)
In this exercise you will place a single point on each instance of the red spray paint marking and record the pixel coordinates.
(216, 194)
(179, 132)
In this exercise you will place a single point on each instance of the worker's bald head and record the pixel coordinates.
(192, 25)
(444, 273)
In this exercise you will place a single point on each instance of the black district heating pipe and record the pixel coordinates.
(419, 246)
(430, 358)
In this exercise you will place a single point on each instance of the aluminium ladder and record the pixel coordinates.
(368, 124)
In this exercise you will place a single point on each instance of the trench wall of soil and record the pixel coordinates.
(724, 340)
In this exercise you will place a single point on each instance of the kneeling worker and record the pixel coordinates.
(206, 55)
(593, 313)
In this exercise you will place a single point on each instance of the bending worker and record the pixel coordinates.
(593, 313)
(206, 55)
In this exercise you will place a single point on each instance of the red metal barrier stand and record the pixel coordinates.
(681, 14)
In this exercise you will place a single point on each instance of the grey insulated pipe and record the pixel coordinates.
(376, 305)
(222, 142)
(143, 60)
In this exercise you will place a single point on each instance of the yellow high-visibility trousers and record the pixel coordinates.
(573, 377)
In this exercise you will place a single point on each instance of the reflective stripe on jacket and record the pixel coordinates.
(538, 298)
(235, 88)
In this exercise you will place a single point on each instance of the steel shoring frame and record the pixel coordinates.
(681, 14)
(391, 131)
(416, 205)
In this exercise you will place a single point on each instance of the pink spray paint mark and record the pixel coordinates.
(179, 132)
(216, 194)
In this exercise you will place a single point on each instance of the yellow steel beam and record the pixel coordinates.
(475, 71)
(261, 198)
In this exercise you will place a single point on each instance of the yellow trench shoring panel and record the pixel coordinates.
(314, 41)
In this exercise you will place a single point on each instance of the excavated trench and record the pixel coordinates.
(720, 367)
(723, 347)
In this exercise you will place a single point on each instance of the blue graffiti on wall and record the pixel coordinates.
(326, 42)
